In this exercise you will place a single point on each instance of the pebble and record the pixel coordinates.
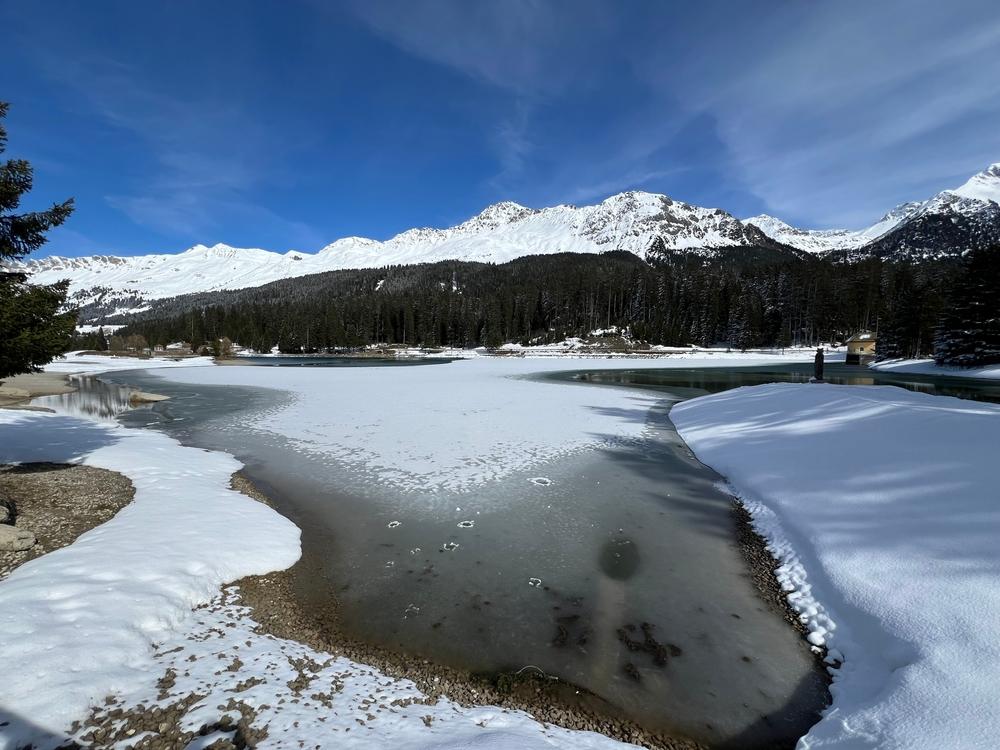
(13, 539)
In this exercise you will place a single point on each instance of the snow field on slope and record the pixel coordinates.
(629, 221)
(883, 506)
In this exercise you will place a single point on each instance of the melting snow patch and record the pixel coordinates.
(129, 583)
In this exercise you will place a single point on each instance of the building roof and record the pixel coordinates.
(862, 336)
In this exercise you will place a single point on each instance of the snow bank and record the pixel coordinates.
(928, 367)
(883, 505)
(92, 364)
(80, 623)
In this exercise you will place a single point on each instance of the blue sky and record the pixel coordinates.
(289, 124)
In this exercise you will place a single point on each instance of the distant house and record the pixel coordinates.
(861, 348)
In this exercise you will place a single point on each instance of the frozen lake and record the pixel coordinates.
(611, 565)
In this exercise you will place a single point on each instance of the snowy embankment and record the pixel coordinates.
(79, 624)
(928, 367)
(578, 348)
(883, 506)
(76, 363)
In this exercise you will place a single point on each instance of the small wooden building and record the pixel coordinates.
(861, 348)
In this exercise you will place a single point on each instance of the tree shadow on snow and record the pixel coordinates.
(53, 439)
(17, 732)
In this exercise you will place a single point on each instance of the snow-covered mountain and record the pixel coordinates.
(632, 221)
(944, 225)
(825, 240)
(646, 224)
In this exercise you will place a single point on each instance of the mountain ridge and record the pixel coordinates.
(633, 221)
(970, 202)
(649, 225)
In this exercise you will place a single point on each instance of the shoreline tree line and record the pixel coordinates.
(916, 309)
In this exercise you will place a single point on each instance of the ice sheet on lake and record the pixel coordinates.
(449, 427)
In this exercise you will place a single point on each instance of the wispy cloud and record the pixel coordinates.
(208, 156)
(827, 112)
(835, 111)
(512, 143)
(528, 47)
(539, 56)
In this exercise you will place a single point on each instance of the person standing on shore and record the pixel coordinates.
(818, 366)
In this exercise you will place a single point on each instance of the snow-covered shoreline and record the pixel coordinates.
(127, 584)
(881, 505)
(929, 367)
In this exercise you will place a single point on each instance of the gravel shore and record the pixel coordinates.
(59, 502)
(294, 604)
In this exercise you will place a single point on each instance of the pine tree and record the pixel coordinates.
(969, 332)
(32, 328)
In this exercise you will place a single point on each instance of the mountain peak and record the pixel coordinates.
(497, 215)
(640, 196)
(984, 186)
(766, 222)
(900, 212)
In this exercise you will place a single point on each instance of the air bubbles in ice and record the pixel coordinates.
(411, 611)
(466, 524)
(394, 524)
(535, 582)
(449, 546)
(541, 481)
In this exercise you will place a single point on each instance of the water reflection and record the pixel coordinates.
(92, 399)
(681, 383)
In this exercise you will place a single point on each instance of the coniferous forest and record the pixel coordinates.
(542, 299)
